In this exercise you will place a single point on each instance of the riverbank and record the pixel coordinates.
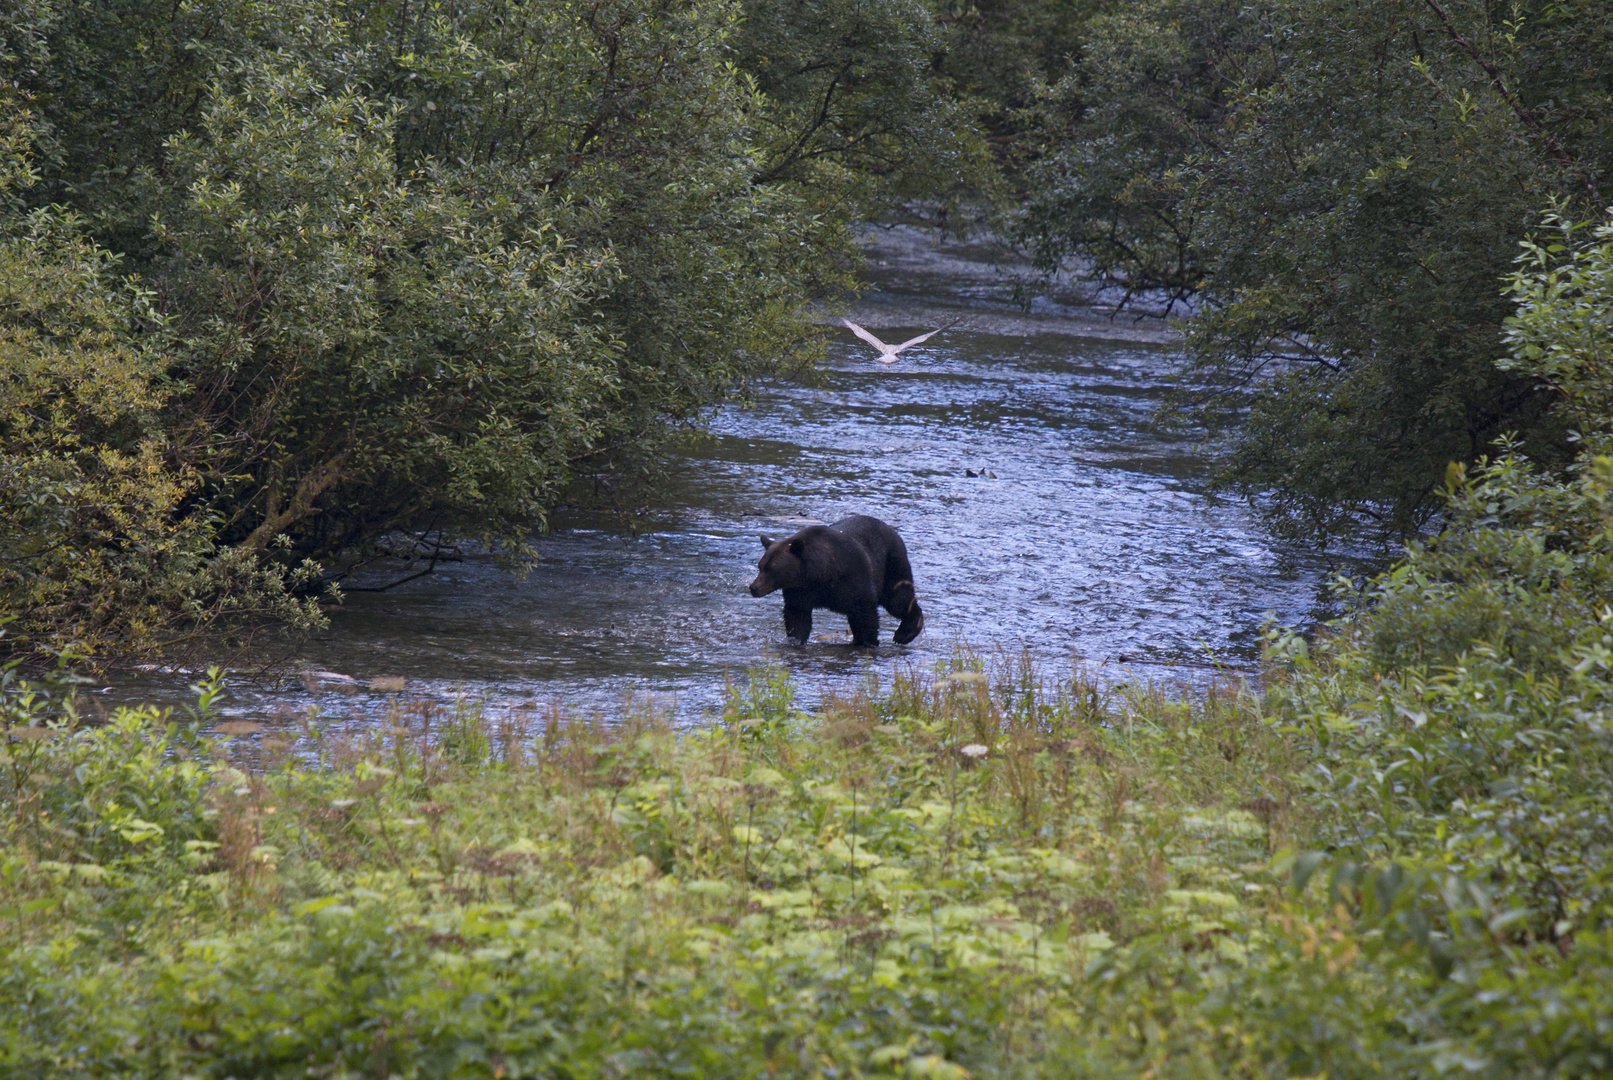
(966, 870)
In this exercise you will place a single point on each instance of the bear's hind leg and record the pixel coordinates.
(797, 619)
(864, 627)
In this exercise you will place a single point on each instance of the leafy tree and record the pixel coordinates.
(109, 82)
(1562, 334)
(1524, 568)
(880, 106)
(1488, 643)
(1341, 186)
(94, 544)
(628, 122)
(582, 172)
(358, 349)
(857, 110)
(1002, 57)
(1116, 195)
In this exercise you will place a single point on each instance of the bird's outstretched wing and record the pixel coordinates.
(926, 337)
(915, 341)
(865, 335)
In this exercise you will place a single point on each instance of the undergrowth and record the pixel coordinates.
(974, 870)
(909, 881)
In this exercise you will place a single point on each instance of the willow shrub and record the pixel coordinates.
(96, 543)
(1483, 733)
(1340, 186)
(285, 280)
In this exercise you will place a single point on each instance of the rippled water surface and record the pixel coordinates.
(1087, 539)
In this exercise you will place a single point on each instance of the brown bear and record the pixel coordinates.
(854, 567)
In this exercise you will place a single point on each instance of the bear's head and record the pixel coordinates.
(781, 566)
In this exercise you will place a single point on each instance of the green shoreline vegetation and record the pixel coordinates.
(967, 872)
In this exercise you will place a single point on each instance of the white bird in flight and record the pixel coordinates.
(887, 353)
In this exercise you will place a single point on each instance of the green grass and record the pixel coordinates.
(1111, 888)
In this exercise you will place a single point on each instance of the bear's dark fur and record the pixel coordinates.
(854, 567)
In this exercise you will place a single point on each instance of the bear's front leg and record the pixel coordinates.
(864, 626)
(912, 624)
(797, 617)
(904, 605)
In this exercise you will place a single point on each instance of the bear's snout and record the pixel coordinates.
(761, 586)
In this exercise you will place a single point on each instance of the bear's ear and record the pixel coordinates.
(766, 541)
(796, 547)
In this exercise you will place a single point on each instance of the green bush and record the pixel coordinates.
(1336, 188)
(100, 542)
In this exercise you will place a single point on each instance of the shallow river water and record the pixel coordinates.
(1088, 540)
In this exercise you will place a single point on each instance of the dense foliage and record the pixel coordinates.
(94, 537)
(1341, 188)
(856, 115)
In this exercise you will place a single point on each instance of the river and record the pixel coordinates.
(1088, 540)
